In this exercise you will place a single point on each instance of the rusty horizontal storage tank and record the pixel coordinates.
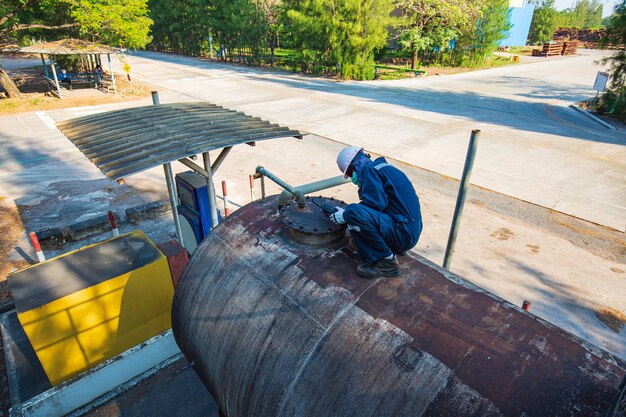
(277, 324)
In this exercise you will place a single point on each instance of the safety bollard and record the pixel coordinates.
(36, 246)
(114, 229)
(225, 194)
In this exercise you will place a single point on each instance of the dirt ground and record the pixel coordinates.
(11, 226)
(35, 95)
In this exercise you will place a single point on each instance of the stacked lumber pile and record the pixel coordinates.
(569, 48)
(549, 49)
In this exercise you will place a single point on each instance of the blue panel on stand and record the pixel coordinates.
(194, 202)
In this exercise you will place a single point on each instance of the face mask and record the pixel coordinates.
(355, 179)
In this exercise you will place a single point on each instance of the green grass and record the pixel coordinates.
(498, 61)
(521, 50)
(392, 75)
(7, 104)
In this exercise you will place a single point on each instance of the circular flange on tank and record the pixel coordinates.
(311, 225)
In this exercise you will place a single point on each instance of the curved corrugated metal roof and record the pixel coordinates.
(125, 142)
(69, 47)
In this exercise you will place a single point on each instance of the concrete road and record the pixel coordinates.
(532, 147)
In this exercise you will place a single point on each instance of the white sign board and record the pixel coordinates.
(601, 79)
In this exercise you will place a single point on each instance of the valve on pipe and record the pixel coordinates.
(296, 193)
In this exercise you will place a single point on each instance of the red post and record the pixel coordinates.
(225, 194)
(252, 188)
(114, 228)
(526, 305)
(35, 242)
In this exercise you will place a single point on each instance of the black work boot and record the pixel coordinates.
(379, 269)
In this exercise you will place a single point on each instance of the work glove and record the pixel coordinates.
(337, 216)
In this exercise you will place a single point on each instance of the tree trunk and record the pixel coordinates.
(273, 43)
(414, 59)
(8, 84)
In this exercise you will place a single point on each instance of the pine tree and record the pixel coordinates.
(340, 34)
(544, 22)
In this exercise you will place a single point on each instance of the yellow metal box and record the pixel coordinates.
(86, 306)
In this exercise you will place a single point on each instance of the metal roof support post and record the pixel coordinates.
(169, 181)
(209, 182)
(54, 73)
(115, 86)
(220, 158)
(171, 191)
(45, 66)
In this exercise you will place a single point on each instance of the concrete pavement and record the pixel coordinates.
(532, 147)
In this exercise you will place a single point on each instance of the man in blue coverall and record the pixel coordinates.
(387, 221)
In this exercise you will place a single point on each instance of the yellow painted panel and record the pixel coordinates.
(74, 333)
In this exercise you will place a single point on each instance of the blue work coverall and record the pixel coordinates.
(388, 218)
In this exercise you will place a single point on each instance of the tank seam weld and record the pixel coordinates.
(270, 283)
(305, 363)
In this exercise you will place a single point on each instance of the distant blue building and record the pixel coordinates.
(521, 16)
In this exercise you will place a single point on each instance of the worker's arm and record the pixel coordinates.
(373, 189)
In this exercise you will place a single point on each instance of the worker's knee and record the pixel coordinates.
(361, 218)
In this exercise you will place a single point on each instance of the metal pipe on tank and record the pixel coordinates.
(286, 196)
(296, 193)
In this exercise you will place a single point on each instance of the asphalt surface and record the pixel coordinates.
(533, 146)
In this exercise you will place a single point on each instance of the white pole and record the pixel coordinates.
(112, 75)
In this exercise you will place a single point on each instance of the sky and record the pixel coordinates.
(607, 9)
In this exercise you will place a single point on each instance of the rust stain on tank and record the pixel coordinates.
(389, 289)
(277, 329)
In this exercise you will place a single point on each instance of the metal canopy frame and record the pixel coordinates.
(124, 142)
(71, 47)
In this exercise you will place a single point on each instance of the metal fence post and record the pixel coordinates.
(460, 201)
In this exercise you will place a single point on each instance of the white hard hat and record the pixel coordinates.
(345, 157)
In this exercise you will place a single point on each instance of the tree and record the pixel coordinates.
(616, 35)
(427, 24)
(272, 10)
(114, 22)
(584, 14)
(22, 15)
(544, 22)
(343, 34)
(493, 25)
(181, 24)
